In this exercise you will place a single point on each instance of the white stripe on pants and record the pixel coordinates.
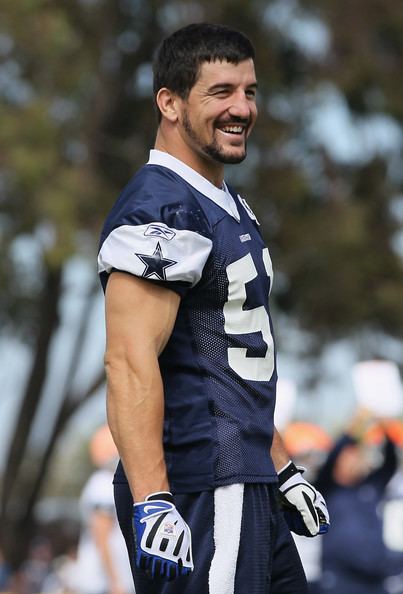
(228, 503)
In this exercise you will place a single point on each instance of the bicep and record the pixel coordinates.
(139, 314)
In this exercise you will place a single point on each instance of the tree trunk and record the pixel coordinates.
(48, 322)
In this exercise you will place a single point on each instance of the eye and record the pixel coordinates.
(250, 93)
(221, 93)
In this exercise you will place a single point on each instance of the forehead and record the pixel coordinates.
(223, 72)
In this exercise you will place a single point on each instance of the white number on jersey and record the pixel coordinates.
(240, 321)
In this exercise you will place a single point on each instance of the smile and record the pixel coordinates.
(232, 129)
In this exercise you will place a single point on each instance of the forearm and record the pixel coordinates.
(135, 406)
(278, 452)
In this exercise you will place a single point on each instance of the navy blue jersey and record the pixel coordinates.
(172, 226)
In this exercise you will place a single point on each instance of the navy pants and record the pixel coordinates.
(241, 543)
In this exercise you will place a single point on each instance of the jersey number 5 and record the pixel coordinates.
(246, 321)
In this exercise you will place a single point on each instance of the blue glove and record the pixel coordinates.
(304, 507)
(163, 539)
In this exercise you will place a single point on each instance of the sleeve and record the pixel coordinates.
(98, 493)
(166, 245)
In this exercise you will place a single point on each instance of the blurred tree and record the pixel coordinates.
(74, 74)
(77, 120)
(338, 238)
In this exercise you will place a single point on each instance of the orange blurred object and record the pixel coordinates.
(102, 447)
(392, 427)
(301, 438)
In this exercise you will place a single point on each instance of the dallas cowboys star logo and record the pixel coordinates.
(155, 264)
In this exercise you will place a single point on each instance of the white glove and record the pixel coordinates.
(163, 539)
(303, 496)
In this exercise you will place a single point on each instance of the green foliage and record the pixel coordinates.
(83, 121)
(366, 53)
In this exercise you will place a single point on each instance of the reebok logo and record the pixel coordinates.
(159, 230)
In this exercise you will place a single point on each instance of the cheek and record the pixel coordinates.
(254, 113)
(253, 116)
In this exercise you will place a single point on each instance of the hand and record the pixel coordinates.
(163, 539)
(304, 507)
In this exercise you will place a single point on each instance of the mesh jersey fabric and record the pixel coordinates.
(218, 368)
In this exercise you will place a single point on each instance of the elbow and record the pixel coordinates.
(117, 366)
(112, 361)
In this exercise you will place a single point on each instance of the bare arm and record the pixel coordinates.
(101, 526)
(139, 320)
(278, 453)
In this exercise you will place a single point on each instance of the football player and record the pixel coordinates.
(190, 358)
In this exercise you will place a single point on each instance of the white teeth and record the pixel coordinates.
(233, 129)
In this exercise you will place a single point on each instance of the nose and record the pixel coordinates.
(241, 106)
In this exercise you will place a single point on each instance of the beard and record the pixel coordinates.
(212, 149)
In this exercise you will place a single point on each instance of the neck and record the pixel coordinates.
(173, 145)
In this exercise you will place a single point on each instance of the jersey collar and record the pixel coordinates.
(222, 198)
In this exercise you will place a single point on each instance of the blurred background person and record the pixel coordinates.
(393, 506)
(5, 573)
(36, 569)
(102, 564)
(62, 578)
(355, 559)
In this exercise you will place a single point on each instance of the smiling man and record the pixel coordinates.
(217, 116)
(190, 357)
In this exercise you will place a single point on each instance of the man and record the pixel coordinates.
(190, 356)
(354, 478)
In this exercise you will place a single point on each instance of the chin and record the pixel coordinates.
(226, 157)
(233, 158)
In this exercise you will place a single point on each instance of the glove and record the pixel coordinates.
(304, 507)
(163, 539)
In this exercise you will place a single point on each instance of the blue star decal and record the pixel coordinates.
(155, 264)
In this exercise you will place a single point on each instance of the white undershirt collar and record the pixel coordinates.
(222, 198)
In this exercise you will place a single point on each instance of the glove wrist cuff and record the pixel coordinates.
(289, 471)
(160, 496)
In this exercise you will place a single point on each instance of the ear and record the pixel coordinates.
(167, 103)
